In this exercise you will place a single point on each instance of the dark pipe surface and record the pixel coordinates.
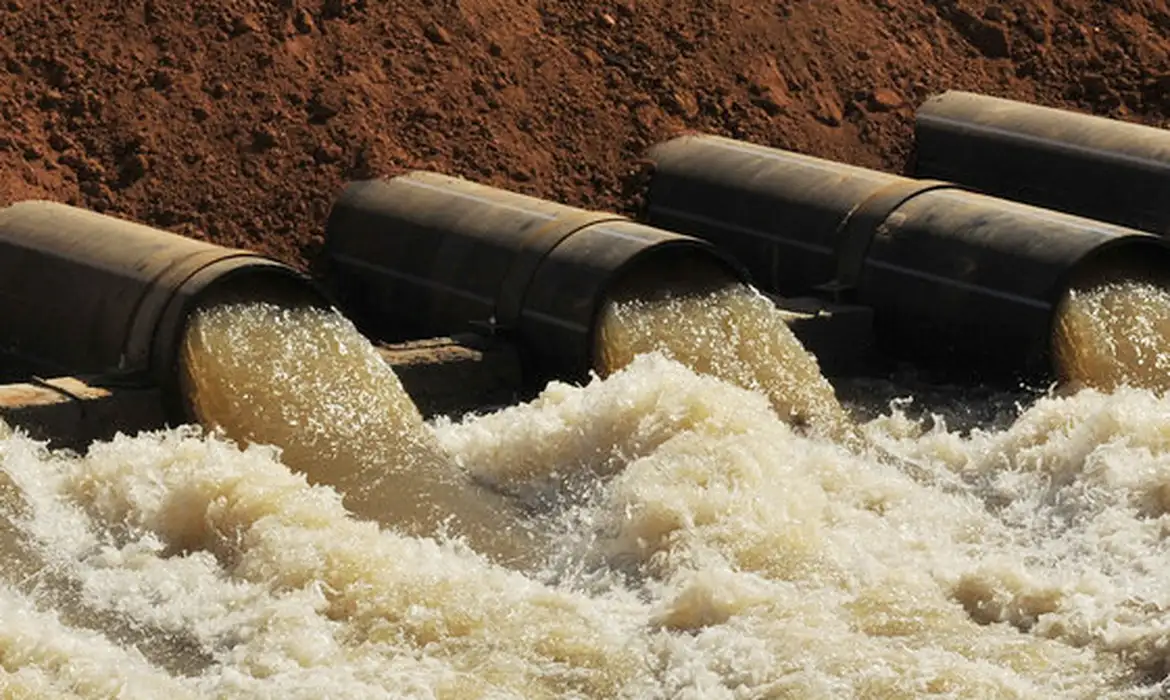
(1077, 163)
(87, 294)
(954, 278)
(425, 254)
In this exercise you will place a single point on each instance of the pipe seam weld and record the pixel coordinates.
(856, 232)
(530, 254)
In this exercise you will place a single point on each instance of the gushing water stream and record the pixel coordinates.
(733, 333)
(303, 378)
(1115, 334)
(709, 548)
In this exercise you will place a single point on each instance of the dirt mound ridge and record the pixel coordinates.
(237, 121)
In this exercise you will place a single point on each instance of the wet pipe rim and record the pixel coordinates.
(1156, 266)
(679, 242)
(186, 297)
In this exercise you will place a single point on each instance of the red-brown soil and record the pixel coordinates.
(239, 120)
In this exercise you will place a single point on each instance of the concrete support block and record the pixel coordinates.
(451, 376)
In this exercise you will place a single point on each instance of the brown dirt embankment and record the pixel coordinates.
(238, 121)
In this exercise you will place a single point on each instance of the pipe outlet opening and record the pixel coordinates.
(1111, 324)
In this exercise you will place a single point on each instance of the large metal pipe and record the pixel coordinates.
(955, 278)
(1077, 163)
(425, 254)
(87, 294)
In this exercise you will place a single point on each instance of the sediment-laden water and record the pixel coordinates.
(305, 379)
(698, 541)
(1115, 334)
(733, 333)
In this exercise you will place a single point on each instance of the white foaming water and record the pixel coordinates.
(1114, 334)
(697, 545)
(719, 553)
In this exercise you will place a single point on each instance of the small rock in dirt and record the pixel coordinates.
(988, 38)
(263, 138)
(333, 9)
(606, 19)
(59, 141)
(328, 153)
(1094, 84)
(162, 80)
(828, 111)
(436, 34)
(993, 13)
(91, 188)
(303, 21)
(50, 99)
(324, 105)
(683, 103)
(244, 24)
(1097, 88)
(1035, 31)
(589, 57)
(134, 168)
(770, 102)
(884, 100)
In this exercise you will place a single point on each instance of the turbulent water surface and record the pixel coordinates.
(698, 543)
(1114, 334)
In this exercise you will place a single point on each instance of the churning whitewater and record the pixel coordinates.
(695, 545)
(1114, 334)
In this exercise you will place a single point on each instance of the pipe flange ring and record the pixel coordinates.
(530, 254)
(857, 229)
